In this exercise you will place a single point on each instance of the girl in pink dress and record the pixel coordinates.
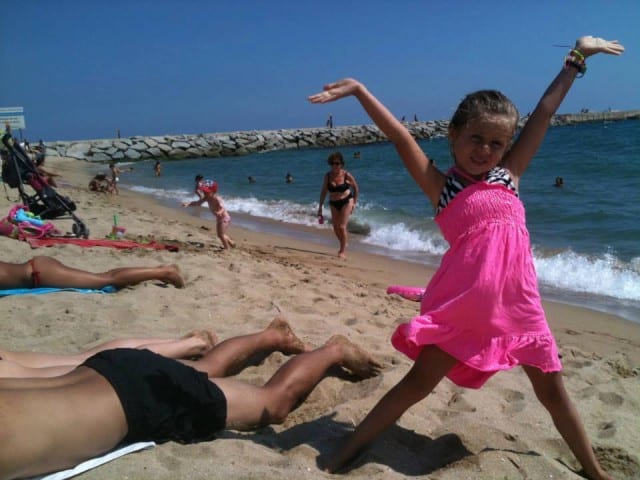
(481, 312)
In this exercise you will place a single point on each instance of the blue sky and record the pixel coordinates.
(84, 68)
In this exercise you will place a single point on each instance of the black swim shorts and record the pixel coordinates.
(163, 399)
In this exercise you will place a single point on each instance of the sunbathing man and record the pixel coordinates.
(43, 271)
(130, 395)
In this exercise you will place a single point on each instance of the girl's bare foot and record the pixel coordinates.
(356, 360)
(290, 344)
(202, 342)
(173, 276)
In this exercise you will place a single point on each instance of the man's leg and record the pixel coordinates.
(231, 356)
(249, 406)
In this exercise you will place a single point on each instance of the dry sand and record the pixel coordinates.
(499, 432)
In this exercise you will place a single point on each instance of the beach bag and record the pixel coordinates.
(21, 224)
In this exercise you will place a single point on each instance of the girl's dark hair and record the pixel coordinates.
(483, 102)
(199, 177)
(336, 156)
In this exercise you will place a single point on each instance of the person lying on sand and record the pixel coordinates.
(33, 364)
(131, 395)
(44, 271)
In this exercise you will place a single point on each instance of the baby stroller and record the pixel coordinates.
(18, 169)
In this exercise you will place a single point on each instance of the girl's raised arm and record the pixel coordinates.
(532, 135)
(426, 175)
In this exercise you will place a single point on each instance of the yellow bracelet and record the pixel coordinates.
(577, 53)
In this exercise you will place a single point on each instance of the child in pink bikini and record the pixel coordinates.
(207, 190)
(481, 312)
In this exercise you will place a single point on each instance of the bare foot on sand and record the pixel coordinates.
(202, 341)
(289, 343)
(356, 360)
(173, 276)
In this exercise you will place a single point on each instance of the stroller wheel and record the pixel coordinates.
(79, 230)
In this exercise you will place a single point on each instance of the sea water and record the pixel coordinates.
(585, 235)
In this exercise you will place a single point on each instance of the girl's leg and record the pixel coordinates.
(52, 273)
(74, 375)
(231, 356)
(221, 229)
(249, 406)
(194, 344)
(549, 388)
(9, 369)
(32, 364)
(429, 368)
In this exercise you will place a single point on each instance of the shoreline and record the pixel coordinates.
(500, 431)
(254, 227)
(403, 272)
(323, 237)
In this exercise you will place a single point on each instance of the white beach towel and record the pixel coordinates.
(97, 461)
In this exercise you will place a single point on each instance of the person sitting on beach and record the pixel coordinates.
(207, 190)
(132, 395)
(48, 175)
(481, 312)
(42, 271)
(100, 183)
(33, 365)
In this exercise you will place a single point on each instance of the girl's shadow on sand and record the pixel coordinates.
(402, 450)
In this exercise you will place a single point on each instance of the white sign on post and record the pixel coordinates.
(14, 116)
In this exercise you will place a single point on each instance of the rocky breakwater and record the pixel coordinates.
(177, 147)
(230, 144)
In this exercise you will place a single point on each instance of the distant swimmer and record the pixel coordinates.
(288, 178)
(559, 182)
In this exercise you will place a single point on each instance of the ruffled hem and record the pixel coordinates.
(480, 357)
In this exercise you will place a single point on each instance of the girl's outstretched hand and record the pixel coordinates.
(336, 90)
(590, 45)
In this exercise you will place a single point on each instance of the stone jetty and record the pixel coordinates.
(228, 144)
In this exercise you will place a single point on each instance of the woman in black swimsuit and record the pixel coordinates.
(343, 196)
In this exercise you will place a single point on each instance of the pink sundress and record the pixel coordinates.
(482, 306)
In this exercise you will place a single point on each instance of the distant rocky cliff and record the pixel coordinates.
(242, 143)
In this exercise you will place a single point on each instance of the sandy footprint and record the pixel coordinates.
(587, 392)
(514, 402)
(606, 429)
(458, 403)
(611, 398)
(619, 462)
